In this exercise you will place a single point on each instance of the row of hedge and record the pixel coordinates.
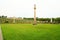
(4, 19)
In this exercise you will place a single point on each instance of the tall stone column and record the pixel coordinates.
(34, 14)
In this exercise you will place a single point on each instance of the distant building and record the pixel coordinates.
(19, 18)
(15, 19)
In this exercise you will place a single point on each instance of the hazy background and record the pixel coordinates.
(24, 8)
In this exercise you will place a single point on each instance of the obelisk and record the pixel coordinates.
(34, 14)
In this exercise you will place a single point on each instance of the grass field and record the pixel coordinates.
(31, 32)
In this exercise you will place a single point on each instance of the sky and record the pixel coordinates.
(25, 8)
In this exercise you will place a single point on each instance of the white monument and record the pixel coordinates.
(34, 14)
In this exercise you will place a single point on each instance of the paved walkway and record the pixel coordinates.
(1, 38)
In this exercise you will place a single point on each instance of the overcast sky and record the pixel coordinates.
(24, 8)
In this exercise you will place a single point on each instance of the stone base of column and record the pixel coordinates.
(35, 23)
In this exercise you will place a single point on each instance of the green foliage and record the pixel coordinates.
(4, 19)
(57, 20)
(28, 18)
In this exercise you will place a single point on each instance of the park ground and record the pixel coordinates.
(31, 32)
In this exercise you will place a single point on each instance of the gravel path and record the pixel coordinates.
(1, 38)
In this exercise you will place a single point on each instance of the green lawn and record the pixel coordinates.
(31, 32)
(0, 26)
